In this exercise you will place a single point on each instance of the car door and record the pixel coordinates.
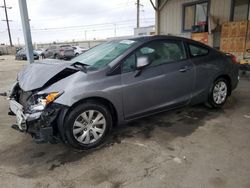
(52, 51)
(166, 83)
(206, 68)
(46, 52)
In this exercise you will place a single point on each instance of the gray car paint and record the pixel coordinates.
(162, 87)
(34, 76)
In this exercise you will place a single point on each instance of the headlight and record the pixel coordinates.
(49, 98)
(45, 99)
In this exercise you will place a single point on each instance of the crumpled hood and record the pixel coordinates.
(36, 75)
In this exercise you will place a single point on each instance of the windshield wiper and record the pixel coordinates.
(80, 66)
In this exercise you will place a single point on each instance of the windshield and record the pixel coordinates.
(103, 54)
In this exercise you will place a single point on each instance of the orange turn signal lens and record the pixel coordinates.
(51, 97)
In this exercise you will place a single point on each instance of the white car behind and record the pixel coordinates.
(79, 50)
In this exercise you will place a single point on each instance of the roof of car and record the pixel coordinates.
(152, 37)
(155, 37)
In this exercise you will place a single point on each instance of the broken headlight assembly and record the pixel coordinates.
(44, 99)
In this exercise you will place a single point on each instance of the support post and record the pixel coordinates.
(7, 21)
(138, 13)
(157, 18)
(26, 30)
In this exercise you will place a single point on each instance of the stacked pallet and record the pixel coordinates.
(200, 37)
(234, 37)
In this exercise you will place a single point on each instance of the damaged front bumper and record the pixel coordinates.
(42, 125)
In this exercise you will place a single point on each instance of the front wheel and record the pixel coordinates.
(218, 93)
(87, 125)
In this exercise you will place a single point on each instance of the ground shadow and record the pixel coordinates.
(172, 124)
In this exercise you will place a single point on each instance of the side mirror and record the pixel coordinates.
(142, 62)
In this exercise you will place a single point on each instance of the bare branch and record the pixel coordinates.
(153, 5)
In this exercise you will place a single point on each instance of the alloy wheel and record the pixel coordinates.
(220, 92)
(89, 126)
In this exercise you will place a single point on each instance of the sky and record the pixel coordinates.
(72, 20)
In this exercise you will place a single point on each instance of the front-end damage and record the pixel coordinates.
(35, 109)
(36, 113)
(39, 98)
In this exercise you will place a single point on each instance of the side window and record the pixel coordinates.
(196, 50)
(161, 52)
(158, 53)
(175, 50)
(129, 64)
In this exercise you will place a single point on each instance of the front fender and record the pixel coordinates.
(82, 86)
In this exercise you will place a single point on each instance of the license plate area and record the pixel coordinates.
(17, 109)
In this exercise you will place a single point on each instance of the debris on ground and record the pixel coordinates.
(4, 94)
(190, 117)
(247, 116)
(177, 160)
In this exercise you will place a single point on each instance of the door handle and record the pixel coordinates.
(185, 68)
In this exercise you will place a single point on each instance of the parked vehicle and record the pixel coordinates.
(39, 51)
(59, 52)
(21, 54)
(116, 82)
(79, 50)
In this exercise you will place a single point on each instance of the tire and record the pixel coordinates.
(56, 56)
(82, 133)
(43, 57)
(218, 93)
(77, 54)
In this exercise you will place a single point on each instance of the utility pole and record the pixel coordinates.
(26, 29)
(7, 20)
(138, 13)
(138, 5)
(114, 30)
(85, 34)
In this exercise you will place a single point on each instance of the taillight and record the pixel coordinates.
(61, 50)
(233, 58)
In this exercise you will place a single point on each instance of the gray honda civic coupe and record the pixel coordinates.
(79, 101)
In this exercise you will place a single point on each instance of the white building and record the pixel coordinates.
(142, 31)
(179, 17)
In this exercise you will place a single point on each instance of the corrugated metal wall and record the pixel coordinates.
(221, 9)
(171, 15)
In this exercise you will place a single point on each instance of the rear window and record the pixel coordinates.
(196, 50)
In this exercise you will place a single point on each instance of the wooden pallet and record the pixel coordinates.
(245, 61)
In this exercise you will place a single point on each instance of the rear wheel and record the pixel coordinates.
(56, 56)
(87, 125)
(218, 93)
